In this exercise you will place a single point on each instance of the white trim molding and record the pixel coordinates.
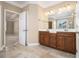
(32, 44)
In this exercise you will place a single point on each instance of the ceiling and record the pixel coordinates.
(43, 4)
(10, 15)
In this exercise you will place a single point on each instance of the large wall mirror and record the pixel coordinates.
(62, 23)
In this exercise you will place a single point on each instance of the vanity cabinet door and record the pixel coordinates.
(46, 38)
(60, 41)
(41, 38)
(70, 43)
(52, 40)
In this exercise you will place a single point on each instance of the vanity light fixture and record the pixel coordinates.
(68, 8)
(47, 13)
(64, 8)
(60, 10)
(52, 12)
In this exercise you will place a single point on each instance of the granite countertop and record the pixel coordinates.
(59, 30)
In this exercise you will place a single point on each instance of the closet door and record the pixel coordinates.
(22, 28)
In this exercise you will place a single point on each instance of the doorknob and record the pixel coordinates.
(24, 30)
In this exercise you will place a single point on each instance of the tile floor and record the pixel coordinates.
(19, 51)
(11, 39)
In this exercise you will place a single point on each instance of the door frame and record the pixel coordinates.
(5, 24)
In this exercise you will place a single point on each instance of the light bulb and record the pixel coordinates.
(47, 13)
(60, 9)
(68, 8)
(64, 8)
(52, 12)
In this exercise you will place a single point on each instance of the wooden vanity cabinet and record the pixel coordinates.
(65, 41)
(52, 40)
(44, 38)
(41, 38)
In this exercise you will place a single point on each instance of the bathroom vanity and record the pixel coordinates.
(61, 31)
(61, 34)
(65, 41)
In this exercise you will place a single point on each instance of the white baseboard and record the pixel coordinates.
(16, 43)
(32, 44)
(2, 47)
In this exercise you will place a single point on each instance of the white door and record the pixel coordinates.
(22, 28)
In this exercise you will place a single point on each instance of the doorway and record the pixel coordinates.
(11, 28)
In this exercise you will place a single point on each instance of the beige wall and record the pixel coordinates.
(36, 20)
(43, 19)
(16, 26)
(32, 24)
